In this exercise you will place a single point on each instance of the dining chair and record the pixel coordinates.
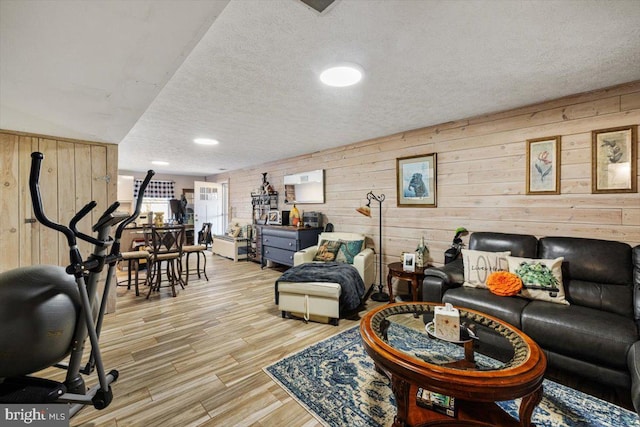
(204, 235)
(165, 244)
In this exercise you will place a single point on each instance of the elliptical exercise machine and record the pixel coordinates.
(47, 312)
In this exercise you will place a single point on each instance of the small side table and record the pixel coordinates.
(413, 277)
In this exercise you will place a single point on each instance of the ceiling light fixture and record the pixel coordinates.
(206, 141)
(342, 75)
(160, 163)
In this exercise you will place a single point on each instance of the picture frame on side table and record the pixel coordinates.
(614, 160)
(409, 262)
(543, 165)
(416, 181)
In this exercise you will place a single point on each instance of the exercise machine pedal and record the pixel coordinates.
(28, 389)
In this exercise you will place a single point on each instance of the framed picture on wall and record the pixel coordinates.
(614, 160)
(543, 165)
(416, 181)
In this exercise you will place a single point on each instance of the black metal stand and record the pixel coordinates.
(379, 296)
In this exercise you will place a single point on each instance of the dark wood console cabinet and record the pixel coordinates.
(279, 243)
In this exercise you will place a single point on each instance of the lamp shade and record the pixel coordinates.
(365, 210)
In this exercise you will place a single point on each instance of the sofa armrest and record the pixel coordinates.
(364, 262)
(633, 362)
(438, 279)
(304, 256)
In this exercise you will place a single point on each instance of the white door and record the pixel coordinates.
(208, 206)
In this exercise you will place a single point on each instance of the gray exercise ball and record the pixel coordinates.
(39, 308)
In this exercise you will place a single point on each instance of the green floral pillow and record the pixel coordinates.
(541, 278)
(348, 250)
(327, 250)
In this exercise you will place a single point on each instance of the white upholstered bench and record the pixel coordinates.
(316, 301)
(230, 247)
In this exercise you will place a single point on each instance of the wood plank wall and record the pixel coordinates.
(73, 173)
(480, 176)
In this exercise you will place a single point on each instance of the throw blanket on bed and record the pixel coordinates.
(333, 272)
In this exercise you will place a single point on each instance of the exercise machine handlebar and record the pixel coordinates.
(77, 217)
(72, 233)
(115, 249)
(34, 188)
(143, 187)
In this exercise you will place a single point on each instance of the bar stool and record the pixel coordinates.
(198, 250)
(134, 259)
(166, 246)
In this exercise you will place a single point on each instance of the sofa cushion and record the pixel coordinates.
(320, 289)
(596, 273)
(348, 250)
(505, 308)
(583, 333)
(522, 245)
(327, 250)
(573, 368)
(478, 265)
(541, 278)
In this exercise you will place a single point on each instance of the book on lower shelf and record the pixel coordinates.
(436, 402)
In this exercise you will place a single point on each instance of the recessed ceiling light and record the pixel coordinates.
(206, 141)
(160, 163)
(342, 75)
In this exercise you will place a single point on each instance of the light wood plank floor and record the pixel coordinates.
(197, 359)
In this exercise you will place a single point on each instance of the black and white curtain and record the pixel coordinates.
(155, 189)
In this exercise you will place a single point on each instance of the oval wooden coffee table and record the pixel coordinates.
(401, 349)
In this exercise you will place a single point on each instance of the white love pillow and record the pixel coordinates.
(478, 265)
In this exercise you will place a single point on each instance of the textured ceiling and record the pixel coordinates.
(252, 80)
(89, 69)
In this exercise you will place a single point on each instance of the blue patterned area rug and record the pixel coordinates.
(336, 381)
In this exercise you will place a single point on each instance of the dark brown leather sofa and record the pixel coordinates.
(596, 337)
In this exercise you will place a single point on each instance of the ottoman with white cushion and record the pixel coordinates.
(317, 301)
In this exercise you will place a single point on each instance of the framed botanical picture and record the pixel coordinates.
(409, 262)
(543, 165)
(416, 181)
(614, 160)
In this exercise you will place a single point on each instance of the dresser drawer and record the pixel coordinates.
(281, 256)
(280, 242)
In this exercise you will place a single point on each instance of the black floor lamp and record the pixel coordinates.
(366, 210)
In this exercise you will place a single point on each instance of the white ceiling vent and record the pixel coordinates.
(319, 6)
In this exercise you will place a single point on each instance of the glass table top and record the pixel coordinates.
(403, 328)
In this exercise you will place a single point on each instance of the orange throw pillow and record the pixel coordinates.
(504, 284)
